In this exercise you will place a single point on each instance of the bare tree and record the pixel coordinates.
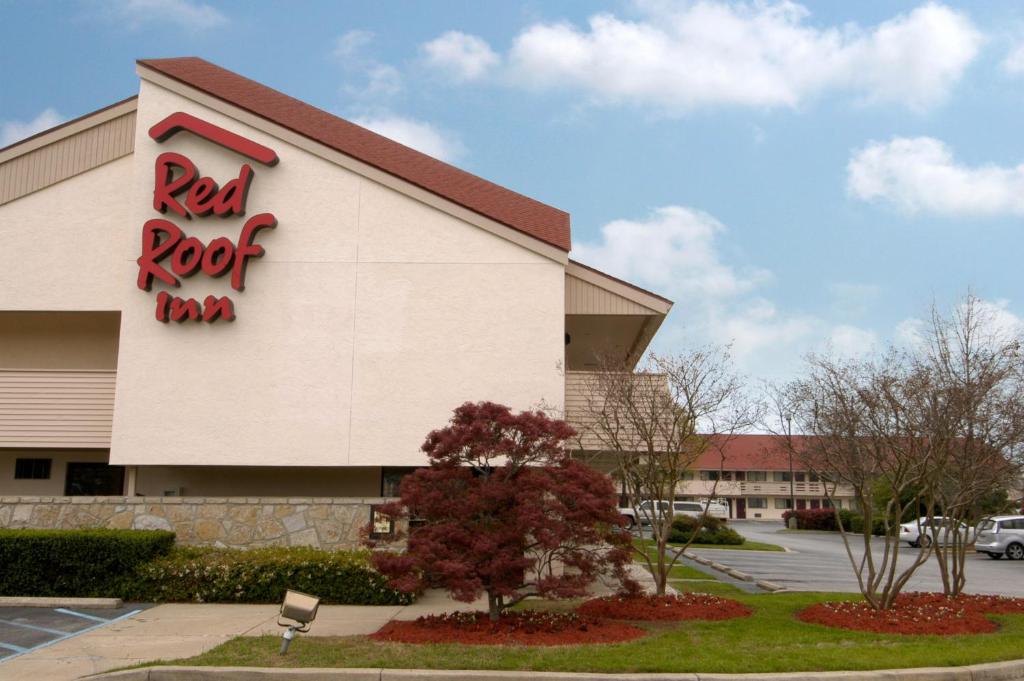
(651, 427)
(858, 432)
(975, 420)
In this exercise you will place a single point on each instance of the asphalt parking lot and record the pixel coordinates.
(818, 562)
(23, 630)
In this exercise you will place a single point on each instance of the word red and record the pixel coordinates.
(162, 239)
(204, 196)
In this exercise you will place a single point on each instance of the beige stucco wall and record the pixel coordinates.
(219, 481)
(58, 340)
(61, 246)
(58, 468)
(370, 317)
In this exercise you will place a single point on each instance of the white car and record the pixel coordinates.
(642, 515)
(922, 532)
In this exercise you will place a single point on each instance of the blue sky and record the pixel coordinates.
(794, 176)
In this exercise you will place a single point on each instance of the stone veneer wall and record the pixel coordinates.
(240, 522)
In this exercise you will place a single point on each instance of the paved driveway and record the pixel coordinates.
(818, 562)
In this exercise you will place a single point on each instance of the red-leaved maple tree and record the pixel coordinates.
(504, 510)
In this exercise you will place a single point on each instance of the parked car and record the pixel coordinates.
(642, 515)
(1001, 535)
(922, 532)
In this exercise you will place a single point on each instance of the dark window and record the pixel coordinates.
(709, 475)
(391, 480)
(94, 480)
(799, 477)
(741, 475)
(32, 469)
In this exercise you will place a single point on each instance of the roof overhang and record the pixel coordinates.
(608, 319)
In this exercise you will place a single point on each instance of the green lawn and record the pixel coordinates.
(771, 640)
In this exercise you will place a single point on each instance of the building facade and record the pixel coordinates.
(759, 480)
(213, 290)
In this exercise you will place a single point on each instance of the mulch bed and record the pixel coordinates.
(917, 613)
(690, 606)
(530, 628)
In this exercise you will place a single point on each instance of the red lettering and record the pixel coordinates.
(163, 299)
(218, 308)
(219, 257)
(231, 199)
(154, 250)
(187, 257)
(246, 249)
(182, 310)
(166, 186)
(200, 199)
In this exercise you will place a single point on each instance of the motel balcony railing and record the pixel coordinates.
(734, 488)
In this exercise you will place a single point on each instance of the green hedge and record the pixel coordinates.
(713, 531)
(75, 562)
(207, 575)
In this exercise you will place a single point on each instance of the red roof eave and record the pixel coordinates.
(521, 213)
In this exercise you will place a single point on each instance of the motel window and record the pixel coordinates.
(740, 475)
(32, 469)
(709, 475)
(757, 502)
(799, 477)
(782, 503)
(687, 475)
(726, 475)
(825, 503)
(813, 477)
(757, 476)
(780, 476)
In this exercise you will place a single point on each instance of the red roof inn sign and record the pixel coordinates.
(168, 254)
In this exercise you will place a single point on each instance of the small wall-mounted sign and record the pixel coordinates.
(381, 526)
(179, 188)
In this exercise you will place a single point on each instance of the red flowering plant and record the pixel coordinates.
(503, 510)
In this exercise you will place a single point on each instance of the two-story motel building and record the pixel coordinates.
(212, 289)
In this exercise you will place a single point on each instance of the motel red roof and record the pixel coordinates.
(514, 210)
(748, 453)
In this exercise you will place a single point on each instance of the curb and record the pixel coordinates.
(733, 572)
(993, 671)
(58, 602)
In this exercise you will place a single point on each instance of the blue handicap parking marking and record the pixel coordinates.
(24, 630)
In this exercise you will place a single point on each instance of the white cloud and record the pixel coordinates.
(674, 250)
(680, 57)
(462, 56)
(921, 175)
(1013, 64)
(13, 131)
(352, 43)
(416, 134)
(366, 79)
(677, 252)
(851, 341)
(993, 317)
(193, 16)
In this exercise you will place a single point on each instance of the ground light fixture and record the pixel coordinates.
(301, 609)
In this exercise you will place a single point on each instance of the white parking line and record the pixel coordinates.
(94, 618)
(11, 646)
(66, 635)
(58, 632)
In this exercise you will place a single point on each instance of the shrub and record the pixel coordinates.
(75, 562)
(209, 575)
(825, 519)
(714, 531)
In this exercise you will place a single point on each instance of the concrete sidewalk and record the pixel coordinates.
(179, 630)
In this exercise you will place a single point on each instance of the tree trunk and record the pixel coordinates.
(493, 606)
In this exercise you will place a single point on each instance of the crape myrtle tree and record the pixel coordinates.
(861, 430)
(975, 365)
(503, 510)
(652, 426)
